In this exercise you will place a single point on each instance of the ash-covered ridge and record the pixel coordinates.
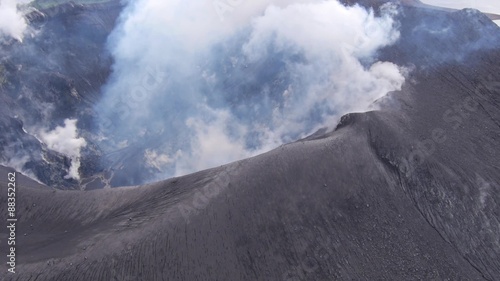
(407, 192)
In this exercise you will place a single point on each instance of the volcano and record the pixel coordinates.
(409, 191)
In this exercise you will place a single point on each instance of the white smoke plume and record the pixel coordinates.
(65, 140)
(12, 22)
(212, 82)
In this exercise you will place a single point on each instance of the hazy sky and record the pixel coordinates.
(491, 6)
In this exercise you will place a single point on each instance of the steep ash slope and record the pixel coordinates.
(359, 203)
(409, 192)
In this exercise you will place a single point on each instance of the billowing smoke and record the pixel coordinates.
(199, 85)
(65, 140)
(12, 22)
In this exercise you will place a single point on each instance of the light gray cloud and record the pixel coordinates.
(12, 22)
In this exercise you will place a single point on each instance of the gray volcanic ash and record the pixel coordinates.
(407, 191)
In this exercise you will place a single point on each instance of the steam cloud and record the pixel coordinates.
(65, 140)
(12, 22)
(195, 86)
